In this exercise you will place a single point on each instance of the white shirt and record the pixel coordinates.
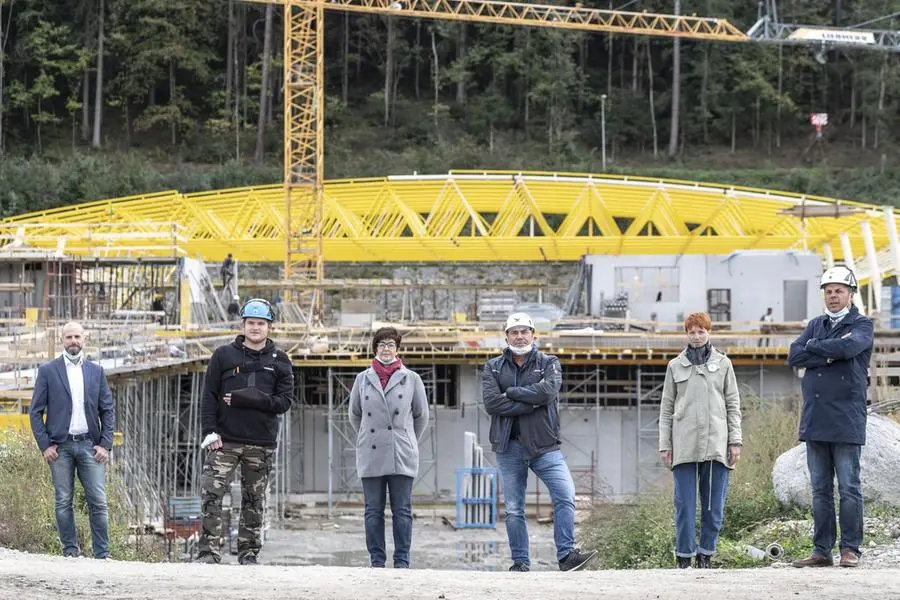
(74, 372)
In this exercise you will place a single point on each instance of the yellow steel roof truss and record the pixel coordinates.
(462, 216)
(512, 216)
(447, 215)
(534, 212)
(600, 213)
(409, 218)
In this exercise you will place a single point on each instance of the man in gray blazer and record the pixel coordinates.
(76, 436)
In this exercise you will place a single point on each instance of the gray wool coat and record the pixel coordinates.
(389, 423)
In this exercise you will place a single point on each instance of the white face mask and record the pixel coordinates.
(839, 314)
(386, 362)
(74, 358)
(521, 351)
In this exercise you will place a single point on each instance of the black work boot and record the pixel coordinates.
(208, 558)
(576, 559)
(683, 562)
(703, 561)
(520, 567)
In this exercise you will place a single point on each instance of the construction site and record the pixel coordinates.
(608, 267)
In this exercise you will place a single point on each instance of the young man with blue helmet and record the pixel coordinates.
(249, 383)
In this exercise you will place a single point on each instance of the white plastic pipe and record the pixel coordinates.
(773, 551)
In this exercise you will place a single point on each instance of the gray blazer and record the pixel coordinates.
(388, 423)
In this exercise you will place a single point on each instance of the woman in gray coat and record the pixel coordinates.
(389, 412)
(699, 438)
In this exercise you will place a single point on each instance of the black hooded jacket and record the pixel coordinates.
(261, 383)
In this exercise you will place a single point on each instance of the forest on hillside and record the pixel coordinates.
(200, 81)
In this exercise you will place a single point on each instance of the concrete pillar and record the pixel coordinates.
(848, 260)
(829, 255)
(848, 251)
(874, 270)
(891, 225)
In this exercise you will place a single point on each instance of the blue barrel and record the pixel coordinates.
(895, 307)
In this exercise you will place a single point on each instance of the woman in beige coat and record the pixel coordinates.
(699, 438)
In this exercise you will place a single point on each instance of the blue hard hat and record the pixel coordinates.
(257, 308)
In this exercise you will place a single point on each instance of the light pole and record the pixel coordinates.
(603, 128)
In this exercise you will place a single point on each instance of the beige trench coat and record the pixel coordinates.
(700, 413)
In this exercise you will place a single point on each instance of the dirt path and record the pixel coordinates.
(35, 577)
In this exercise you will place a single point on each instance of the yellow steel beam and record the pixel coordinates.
(541, 15)
(461, 216)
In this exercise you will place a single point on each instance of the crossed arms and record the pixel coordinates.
(520, 400)
(806, 351)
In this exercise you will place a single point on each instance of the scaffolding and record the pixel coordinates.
(158, 416)
(41, 287)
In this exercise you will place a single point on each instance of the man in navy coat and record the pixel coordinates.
(834, 349)
(76, 436)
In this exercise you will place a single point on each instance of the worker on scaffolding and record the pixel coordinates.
(158, 306)
(835, 349)
(521, 393)
(249, 383)
(227, 270)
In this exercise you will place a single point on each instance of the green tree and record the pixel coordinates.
(56, 59)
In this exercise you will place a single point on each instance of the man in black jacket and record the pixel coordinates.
(521, 393)
(249, 383)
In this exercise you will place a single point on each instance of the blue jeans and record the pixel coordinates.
(712, 479)
(400, 489)
(78, 457)
(825, 460)
(552, 470)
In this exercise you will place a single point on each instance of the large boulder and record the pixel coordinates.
(879, 466)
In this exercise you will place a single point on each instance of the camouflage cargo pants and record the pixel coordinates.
(218, 470)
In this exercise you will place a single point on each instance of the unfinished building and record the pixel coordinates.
(444, 259)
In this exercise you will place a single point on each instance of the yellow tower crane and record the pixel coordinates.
(304, 93)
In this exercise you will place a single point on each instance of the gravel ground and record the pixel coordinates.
(38, 577)
(326, 560)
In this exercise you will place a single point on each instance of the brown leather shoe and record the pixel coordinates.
(849, 558)
(814, 560)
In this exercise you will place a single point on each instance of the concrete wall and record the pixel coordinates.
(607, 436)
(756, 281)
(624, 462)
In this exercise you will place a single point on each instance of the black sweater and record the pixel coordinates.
(261, 383)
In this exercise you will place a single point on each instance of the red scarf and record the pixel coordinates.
(385, 371)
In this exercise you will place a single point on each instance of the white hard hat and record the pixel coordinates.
(840, 274)
(519, 320)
